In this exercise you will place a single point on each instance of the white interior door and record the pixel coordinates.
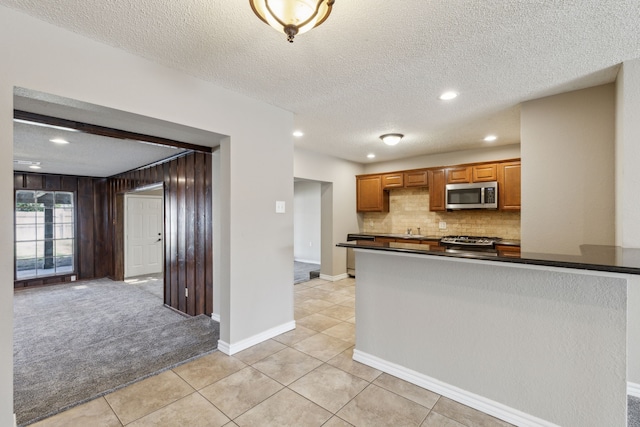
(143, 235)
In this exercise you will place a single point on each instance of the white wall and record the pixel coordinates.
(306, 221)
(567, 144)
(486, 154)
(627, 194)
(339, 216)
(46, 58)
(628, 155)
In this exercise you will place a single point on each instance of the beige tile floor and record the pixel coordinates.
(305, 377)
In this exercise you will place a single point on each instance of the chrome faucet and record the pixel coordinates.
(419, 231)
(409, 231)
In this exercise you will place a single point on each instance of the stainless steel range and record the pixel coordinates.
(469, 241)
(460, 244)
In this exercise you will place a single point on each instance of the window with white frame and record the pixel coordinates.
(44, 233)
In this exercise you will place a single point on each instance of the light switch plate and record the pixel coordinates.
(442, 225)
(280, 206)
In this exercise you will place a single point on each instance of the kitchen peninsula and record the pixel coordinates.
(534, 339)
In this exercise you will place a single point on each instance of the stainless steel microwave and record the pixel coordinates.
(477, 195)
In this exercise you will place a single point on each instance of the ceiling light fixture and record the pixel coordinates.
(371, 156)
(292, 17)
(45, 125)
(298, 133)
(59, 141)
(34, 167)
(391, 138)
(25, 162)
(448, 96)
(490, 138)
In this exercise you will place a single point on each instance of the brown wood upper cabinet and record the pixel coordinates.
(478, 173)
(393, 180)
(370, 196)
(509, 186)
(459, 175)
(484, 173)
(436, 190)
(417, 178)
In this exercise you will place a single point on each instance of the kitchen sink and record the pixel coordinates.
(407, 236)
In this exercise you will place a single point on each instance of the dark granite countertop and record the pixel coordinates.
(613, 259)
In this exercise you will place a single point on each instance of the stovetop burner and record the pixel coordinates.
(477, 241)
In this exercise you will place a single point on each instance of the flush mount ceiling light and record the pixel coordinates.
(292, 17)
(59, 141)
(298, 133)
(448, 96)
(371, 156)
(490, 138)
(391, 138)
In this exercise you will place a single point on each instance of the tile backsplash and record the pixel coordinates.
(409, 208)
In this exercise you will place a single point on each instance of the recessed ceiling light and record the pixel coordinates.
(34, 167)
(447, 96)
(490, 138)
(391, 138)
(371, 156)
(59, 141)
(298, 133)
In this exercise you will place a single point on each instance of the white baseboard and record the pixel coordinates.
(308, 261)
(334, 278)
(230, 349)
(633, 389)
(215, 317)
(15, 422)
(475, 401)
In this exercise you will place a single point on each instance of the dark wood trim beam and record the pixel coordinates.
(106, 131)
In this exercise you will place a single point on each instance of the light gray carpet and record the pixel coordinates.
(633, 410)
(72, 345)
(302, 271)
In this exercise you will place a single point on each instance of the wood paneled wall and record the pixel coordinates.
(188, 240)
(188, 258)
(90, 224)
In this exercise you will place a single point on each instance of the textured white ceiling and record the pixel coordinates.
(377, 66)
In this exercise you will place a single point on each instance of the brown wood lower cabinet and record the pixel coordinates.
(508, 251)
(385, 239)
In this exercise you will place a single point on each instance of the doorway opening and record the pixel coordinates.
(307, 230)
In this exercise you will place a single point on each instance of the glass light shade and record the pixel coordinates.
(391, 138)
(292, 17)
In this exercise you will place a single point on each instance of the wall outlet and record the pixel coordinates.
(280, 206)
(73, 278)
(442, 225)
